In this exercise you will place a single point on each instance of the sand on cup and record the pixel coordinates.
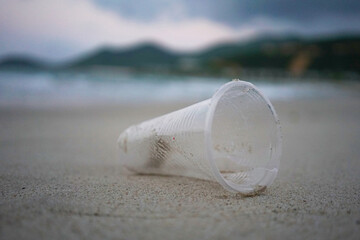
(233, 138)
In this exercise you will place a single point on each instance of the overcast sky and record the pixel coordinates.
(61, 29)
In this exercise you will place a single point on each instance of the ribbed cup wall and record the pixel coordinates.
(171, 144)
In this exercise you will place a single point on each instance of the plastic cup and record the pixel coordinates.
(233, 138)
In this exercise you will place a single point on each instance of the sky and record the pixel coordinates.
(57, 30)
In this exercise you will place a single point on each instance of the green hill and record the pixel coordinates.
(22, 63)
(291, 54)
(146, 55)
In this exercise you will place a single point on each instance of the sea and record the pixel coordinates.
(49, 89)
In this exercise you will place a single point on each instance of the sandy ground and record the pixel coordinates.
(60, 179)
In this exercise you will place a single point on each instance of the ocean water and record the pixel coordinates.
(70, 89)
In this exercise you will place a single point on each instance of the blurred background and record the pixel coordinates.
(76, 52)
(74, 74)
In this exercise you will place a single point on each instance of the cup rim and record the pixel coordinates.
(275, 158)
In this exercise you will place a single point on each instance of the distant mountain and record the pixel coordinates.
(146, 55)
(21, 62)
(292, 54)
(247, 47)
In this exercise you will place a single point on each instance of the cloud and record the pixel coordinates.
(235, 12)
(60, 29)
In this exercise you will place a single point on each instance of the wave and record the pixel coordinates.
(89, 88)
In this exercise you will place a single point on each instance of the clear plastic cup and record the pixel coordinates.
(233, 138)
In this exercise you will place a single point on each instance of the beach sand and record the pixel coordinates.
(61, 179)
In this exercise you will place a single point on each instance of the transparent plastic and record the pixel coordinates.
(233, 138)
